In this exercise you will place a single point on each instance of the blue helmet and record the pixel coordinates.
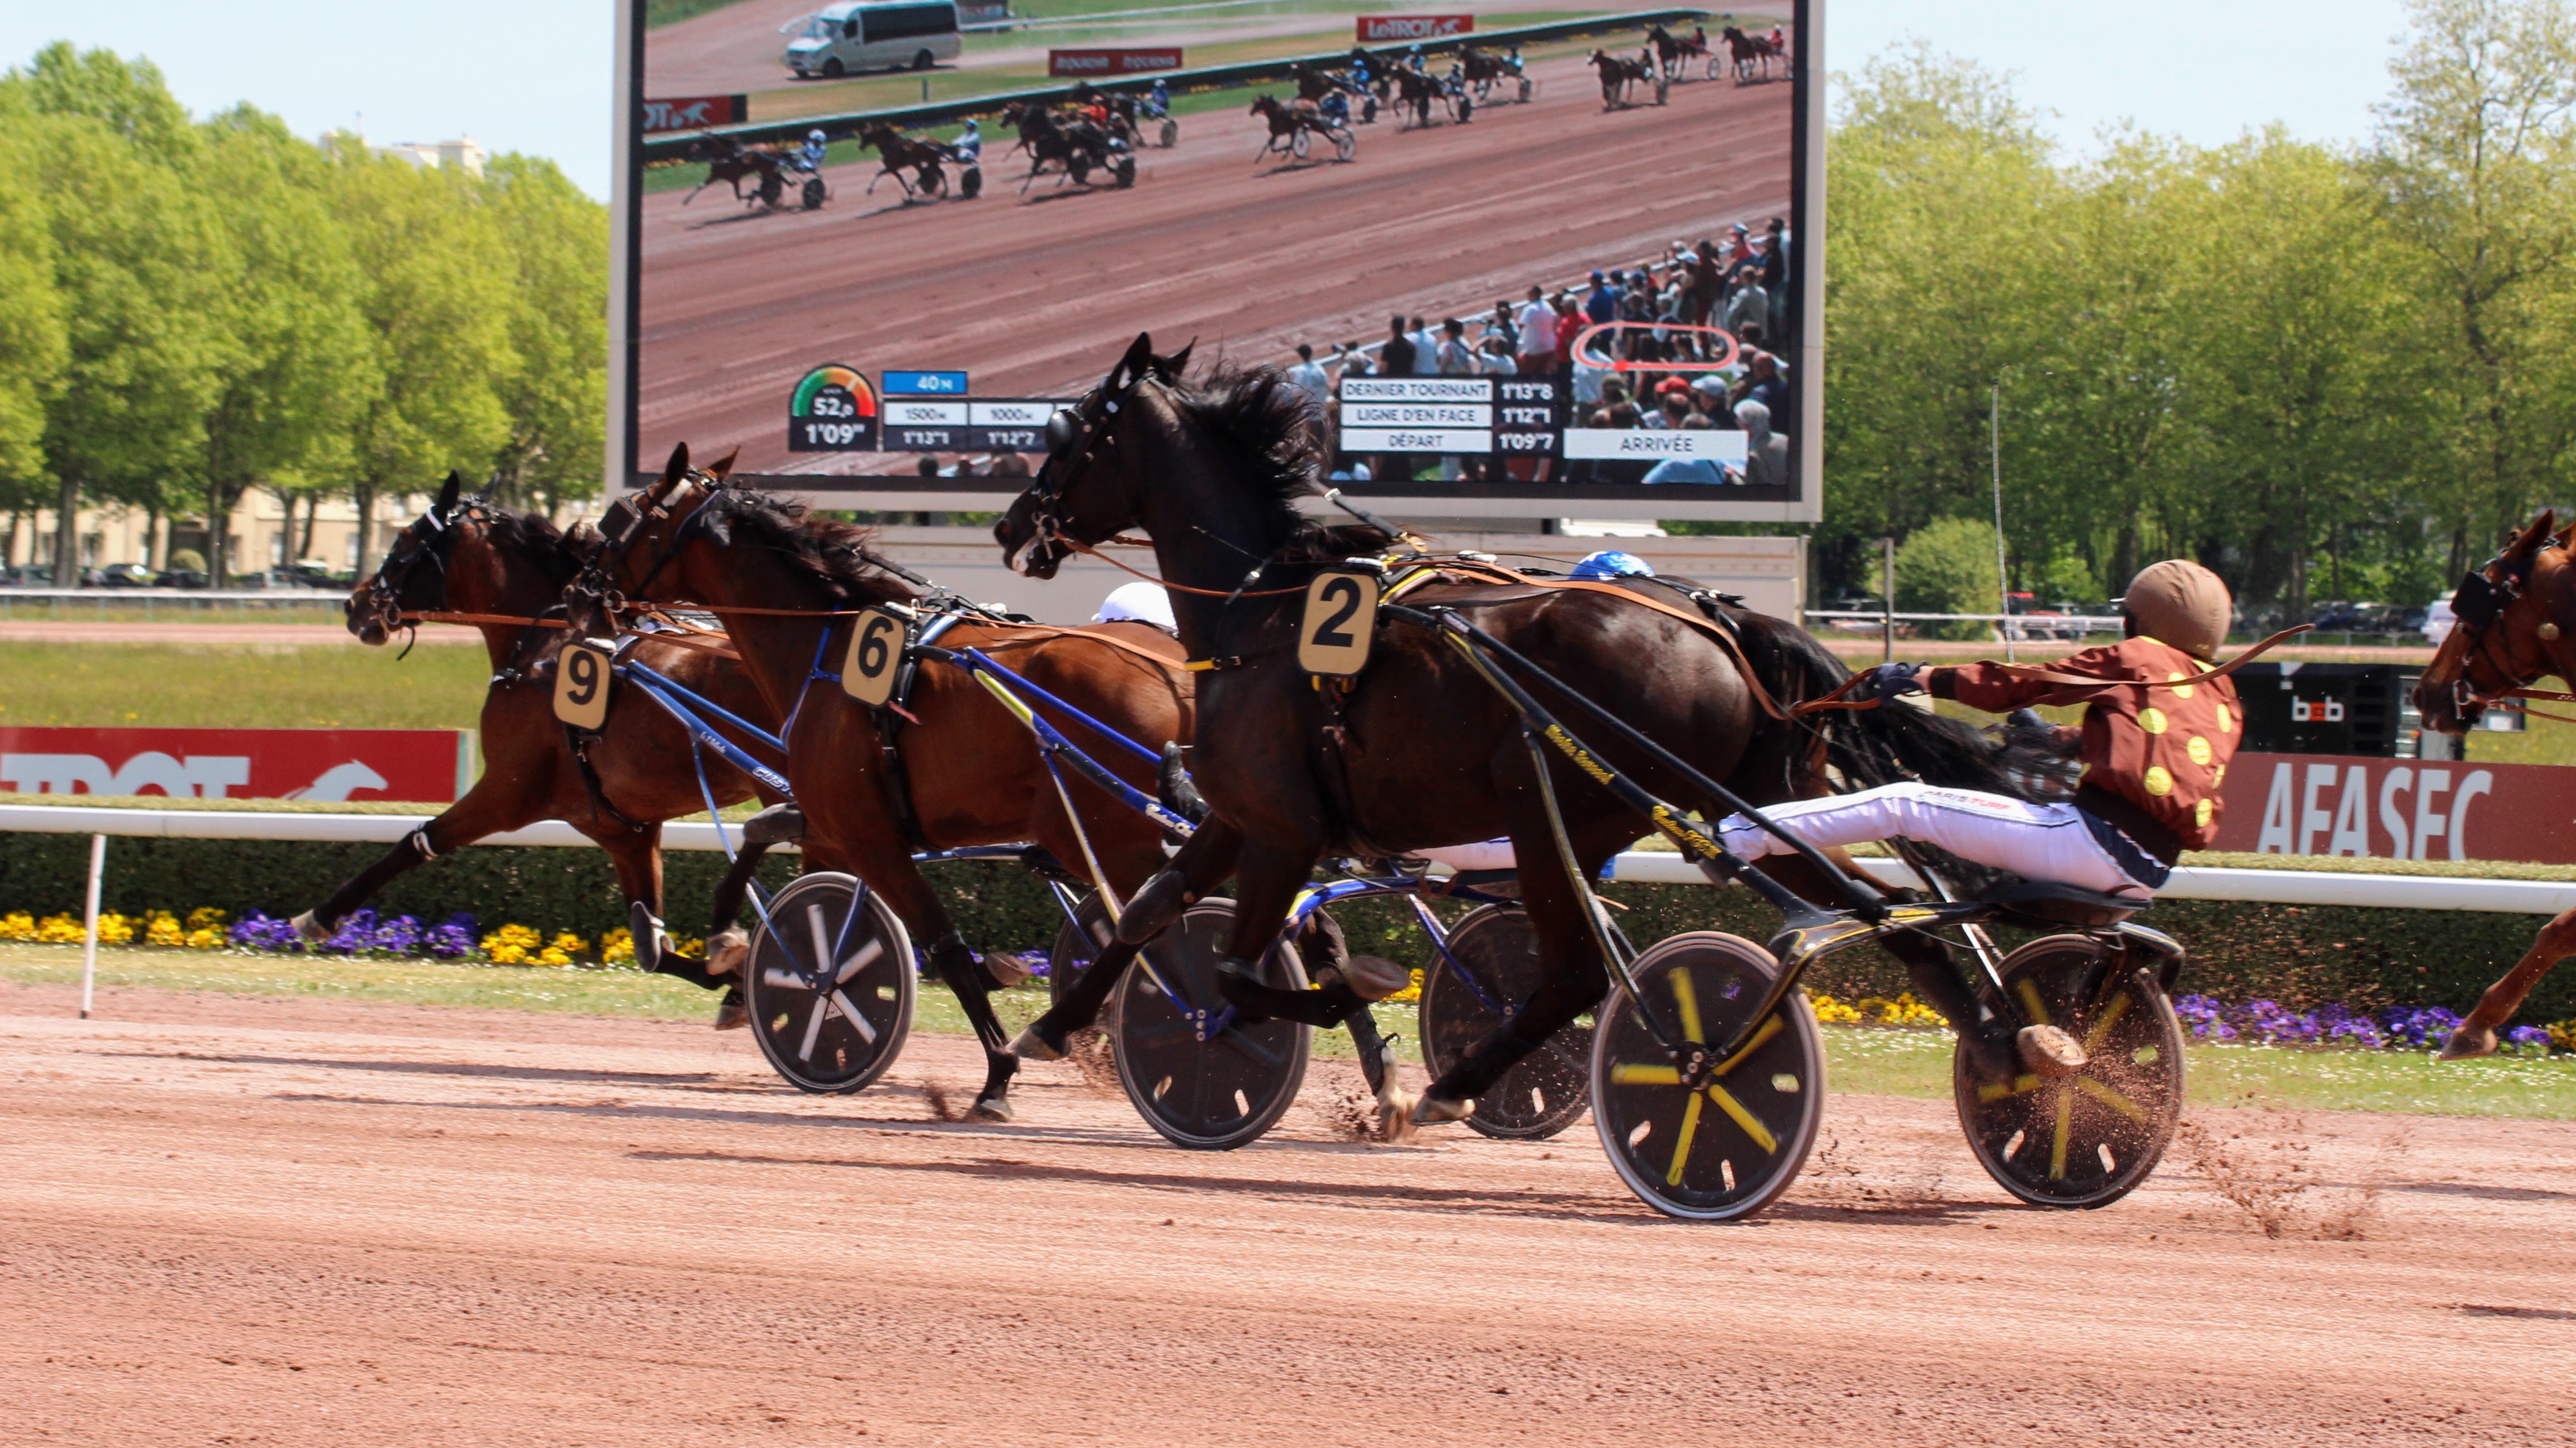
(1612, 564)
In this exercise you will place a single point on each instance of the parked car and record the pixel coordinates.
(895, 35)
(28, 575)
(179, 578)
(118, 575)
(2438, 619)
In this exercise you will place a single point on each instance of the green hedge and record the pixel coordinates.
(2301, 955)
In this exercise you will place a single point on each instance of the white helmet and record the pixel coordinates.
(814, 136)
(974, 125)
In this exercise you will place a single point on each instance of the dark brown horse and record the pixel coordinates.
(1751, 54)
(1619, 74)
(898, 153)
(1420, 751)
(1481, 69)
(617, 785)
(966, 771)
(2514, 617)
(1292, 123)
(732, 162)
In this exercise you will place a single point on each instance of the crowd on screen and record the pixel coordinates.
(1740, 284)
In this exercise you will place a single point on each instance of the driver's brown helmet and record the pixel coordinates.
(2181, 603)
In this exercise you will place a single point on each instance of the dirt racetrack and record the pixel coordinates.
(1036, 298)
(313, 1222)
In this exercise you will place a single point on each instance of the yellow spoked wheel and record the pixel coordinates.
(2088, 1139)
(1727, 1145)
(830, 992)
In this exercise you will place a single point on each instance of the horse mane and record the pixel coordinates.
(1272, 438)
(831, 553)
(535, 537)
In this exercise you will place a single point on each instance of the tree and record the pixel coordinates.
(557, 398)
(1949, 567)
(34, 343)
(2475, 163)
(439, 304)
(302, 364)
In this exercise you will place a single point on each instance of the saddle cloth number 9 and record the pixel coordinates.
(876, 655)
(582, 684)
(1339, 624)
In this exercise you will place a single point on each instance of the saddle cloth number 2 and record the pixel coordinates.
(1340, 622)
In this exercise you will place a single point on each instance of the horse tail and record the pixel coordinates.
(1893, 742)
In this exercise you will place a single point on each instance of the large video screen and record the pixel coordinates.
(1528, 261)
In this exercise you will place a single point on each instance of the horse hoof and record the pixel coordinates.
(1028, 1045)
(1373, 978)
(1439, 1110)
(732, 1016)
(725, 952)
(991, 1108)
(310, 929)
(2467, 1044)
(2050, 1052)
(1007, 971)
(1395, 1115)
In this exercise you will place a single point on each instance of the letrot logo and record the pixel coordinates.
(332, 765)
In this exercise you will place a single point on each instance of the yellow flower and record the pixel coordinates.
(204, 937)
(205, 917)
(553, 955)
(617, 947)
(693, 949)
(114, 929)
(17, 925)
(2563, 1035)
(511, 945)
(568, 945)
(163, 929)
(61, 930)
(1409, 994)
(1831, 1011)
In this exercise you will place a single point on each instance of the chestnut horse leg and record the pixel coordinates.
(2476, 1036)
(489, 808)
(887, 867)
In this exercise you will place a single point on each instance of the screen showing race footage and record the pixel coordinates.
(1511, 251)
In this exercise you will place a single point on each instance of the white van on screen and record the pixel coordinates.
(874, 35)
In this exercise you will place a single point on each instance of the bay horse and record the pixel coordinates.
(1288, 120)
(1419, 751)
(968, 772)
(898, 153)
(617, 786)
(1481, 68)
(1752, 55)
(1618, 74)
(2514, 616)
(730, 161)
(1416, 89)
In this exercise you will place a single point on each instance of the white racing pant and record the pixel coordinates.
(2035, 841)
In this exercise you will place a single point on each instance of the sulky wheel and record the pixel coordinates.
(830, 997)
(1345, 145)
(2088, 1139)
(1727, 1149)
(813, 194)
(1298, 140)
(1546, 1092)
(1125, 170)
(1207, 1095)
(1171, 133)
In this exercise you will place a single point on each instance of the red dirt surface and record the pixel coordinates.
(1037, 297)
(233, 1221)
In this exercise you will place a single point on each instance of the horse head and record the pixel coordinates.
(2511, 619)
(1082, 492)
(644, 537)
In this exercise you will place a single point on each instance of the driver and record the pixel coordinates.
(1160, 96)
(809, 157)
(2153, 756)
(969, 149)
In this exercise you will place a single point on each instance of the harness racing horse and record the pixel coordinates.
(1752, 55)
(1418, 751)
(2514, 615)
(616, 785)
(1416, 89)
(1076, 147)
(1292, 123)
(730, 161)
(1482, 69)
(965, 771)
(1619, 73)
(900, 153)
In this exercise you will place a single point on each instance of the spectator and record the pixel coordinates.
(1494, 357)
(1426, 348)
(1352, 361)
(1739, 246)
(1765, 383)
(1009, 465)
(1537, 336)
(1456, 359)
(1749, 305)
(1601, 304)
(1775, 276)
(1712, 393)
(1500, 325)
(1311, 378)
(1569, 325)
(1396, 358)
(1766, 453)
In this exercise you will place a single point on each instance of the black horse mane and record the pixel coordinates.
(833, 554)
(534, 537)
(1268, 428)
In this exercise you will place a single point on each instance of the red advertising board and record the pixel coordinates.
(1382, 28)
(431, 766)
(1099, 63)
(2399, 809)
(689, 113)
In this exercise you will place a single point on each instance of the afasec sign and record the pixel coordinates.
(2399, 809)
(430, 766)
(1112, 62)
(1383, 28)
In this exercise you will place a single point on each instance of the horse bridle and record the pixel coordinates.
(433, 537)
(2476, 606)
(617, 528)
(1085, 426)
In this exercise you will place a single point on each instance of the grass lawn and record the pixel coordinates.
(1860, 1060)
(241, 686)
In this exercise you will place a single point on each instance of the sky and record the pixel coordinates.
(534, 75)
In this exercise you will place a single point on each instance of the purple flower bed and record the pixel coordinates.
(362, 930)
(2425, 1028)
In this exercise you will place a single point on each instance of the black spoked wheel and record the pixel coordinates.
(1078, 167)
(1345, 145)
(1298, 140)
(1729, 1148)
(1125, 171)
(2089, 1139)
(1211, 1094)
(813, 194)
(970, 184)
(1074, 950)
(1171, 133)
(1546, 1092)
(772, 188)
(830, 996)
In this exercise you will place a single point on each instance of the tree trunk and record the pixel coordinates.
(363, 494)
(151, 536)
(67, 535)
(312, 509)
(219, 527)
